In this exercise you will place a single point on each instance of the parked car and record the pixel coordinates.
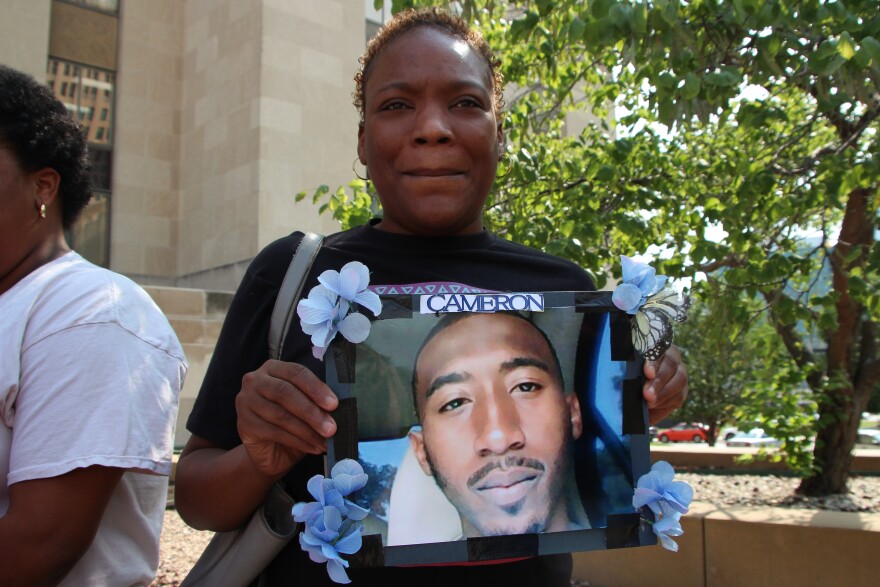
(756, 437)
(728, 432)
(688, 432)
(869, 436)
(652, 432)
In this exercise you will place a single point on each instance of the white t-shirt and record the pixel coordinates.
(90, 373)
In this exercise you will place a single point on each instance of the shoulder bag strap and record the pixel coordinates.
(291, 289)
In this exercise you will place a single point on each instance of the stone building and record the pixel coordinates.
(204, 119)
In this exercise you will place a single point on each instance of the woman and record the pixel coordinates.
(90, 372)
(429, 94)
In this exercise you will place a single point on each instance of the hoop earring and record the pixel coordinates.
(356, 174)
(42, 210)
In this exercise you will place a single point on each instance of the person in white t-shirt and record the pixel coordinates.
(90, 372)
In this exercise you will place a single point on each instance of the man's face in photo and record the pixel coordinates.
(497, 426)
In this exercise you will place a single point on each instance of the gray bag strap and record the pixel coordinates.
(291, 288)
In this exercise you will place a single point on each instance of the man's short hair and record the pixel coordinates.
(453, 318)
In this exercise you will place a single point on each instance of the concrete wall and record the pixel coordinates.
(758, 547)
(684, 456)
(24, 35)
(147, 155)
(220, 143)
(266, 113)
(224, 110)
(307, 122)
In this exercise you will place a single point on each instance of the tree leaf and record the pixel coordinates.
(871, 47)
(845, 46)
(691, 87)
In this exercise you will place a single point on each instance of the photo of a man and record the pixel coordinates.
(497, 425)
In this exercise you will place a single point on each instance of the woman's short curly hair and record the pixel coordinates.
(41, 133)
(405, 21)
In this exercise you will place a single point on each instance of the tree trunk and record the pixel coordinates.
(840, 407)
(832, 455)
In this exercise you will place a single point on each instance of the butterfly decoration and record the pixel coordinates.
(654, 304)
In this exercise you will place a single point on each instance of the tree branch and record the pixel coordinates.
(802, 355)
(730, 260)
(856, 131)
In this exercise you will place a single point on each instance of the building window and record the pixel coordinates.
(100, 161)
(89, 236)
(375, 17)
(103, 5)
(79, 90)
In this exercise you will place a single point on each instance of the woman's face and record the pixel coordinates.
(430, 138)
(18, 210)
(22, 230)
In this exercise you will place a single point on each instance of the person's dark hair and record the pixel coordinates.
(405, 21)
(41, 133)
(448, 320)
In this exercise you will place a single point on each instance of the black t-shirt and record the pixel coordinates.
(397, 263)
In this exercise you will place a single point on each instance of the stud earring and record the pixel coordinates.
(42, 210)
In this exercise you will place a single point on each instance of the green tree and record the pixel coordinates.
(797, 154)
(725, 359)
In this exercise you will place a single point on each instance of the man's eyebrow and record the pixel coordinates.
(517, 362)
(446, 380)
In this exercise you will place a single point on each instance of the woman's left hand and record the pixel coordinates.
(666, 384)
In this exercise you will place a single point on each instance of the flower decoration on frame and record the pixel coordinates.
(331, 527)
(668, 499)
(653, 304)
(328, 308)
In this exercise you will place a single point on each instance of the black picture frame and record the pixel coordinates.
(592, 339)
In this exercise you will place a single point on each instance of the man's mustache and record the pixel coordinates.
(506, 463)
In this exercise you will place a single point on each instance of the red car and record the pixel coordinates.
(683, 432)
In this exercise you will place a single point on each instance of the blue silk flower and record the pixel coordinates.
(327, 309)
(330, 529)
(667, 498)
(639, 282)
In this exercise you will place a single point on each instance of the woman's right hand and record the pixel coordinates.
(283, 414)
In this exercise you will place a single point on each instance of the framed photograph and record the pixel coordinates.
(493, 426)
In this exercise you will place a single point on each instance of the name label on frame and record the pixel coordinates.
(496, 302)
